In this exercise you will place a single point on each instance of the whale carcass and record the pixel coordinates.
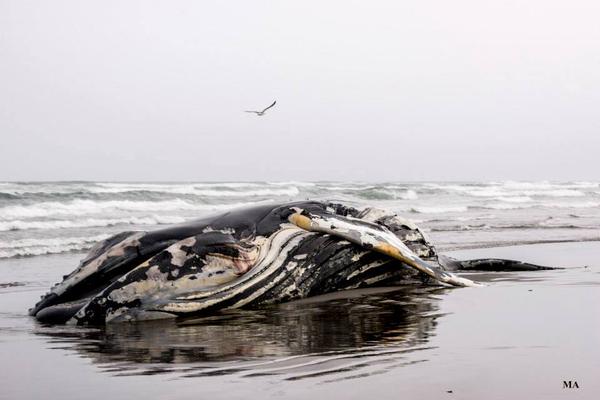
(265, 254)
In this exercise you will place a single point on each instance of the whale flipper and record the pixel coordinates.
(373, 237)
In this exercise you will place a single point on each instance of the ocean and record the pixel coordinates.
(38, 218)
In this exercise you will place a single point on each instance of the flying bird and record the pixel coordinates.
(261, 113)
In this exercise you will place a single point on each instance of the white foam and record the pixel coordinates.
(546, 186)
(17, 225)
(391, 191)
(229, 184)
(437, 210)
(449, 187)
(50, 241)
(206, 190)
(407, 195)
(166, 186)
(289, 191)
(583, 204)
(86, 207)
(555, 193)
(18, 190)
(527, 185)
(348, 188)
(486, 192)
(503, 206)
(516, 199)
(506, 193)
(511, 188)
(293, 183)
(585, 184)
(32, 247)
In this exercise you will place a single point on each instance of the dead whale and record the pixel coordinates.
(265, 254)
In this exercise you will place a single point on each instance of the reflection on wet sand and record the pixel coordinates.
(367, 330)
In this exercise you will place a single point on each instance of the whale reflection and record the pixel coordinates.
(332, 334)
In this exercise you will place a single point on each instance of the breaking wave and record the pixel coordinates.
(203, 191)
(19, 225)
(35, 247)
(437, 210)
(86, 207)
(53, 217)
(503, 206)
(475, 227)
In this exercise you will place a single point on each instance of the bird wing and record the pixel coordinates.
(269, 106)
(256, 112)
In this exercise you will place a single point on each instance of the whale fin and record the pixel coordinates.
(374, 237)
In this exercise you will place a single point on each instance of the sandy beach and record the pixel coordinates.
(521, 335)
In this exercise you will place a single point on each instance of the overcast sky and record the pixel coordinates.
(365, 90)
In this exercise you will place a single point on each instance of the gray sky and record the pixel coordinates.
(366, 90)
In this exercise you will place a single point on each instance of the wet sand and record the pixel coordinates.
(521, 336)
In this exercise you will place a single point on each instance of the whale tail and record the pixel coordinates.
(489, 265)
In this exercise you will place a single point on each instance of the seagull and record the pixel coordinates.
(261, 113)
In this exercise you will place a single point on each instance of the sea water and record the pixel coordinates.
(55, 217)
